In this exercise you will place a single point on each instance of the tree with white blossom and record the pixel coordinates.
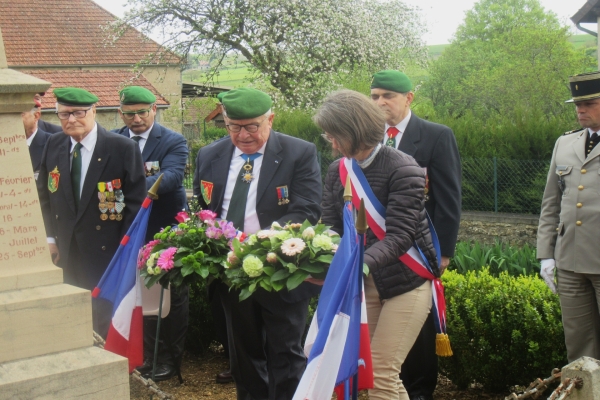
(300, 47)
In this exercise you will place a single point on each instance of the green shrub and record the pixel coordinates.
(201, 332)
(503, 330)
(500, 257)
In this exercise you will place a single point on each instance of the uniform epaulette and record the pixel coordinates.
(573, 131)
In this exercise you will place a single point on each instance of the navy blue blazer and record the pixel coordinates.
(49, 127)
(36, 148)
(288, 161)
(170, 149)
(434, 147)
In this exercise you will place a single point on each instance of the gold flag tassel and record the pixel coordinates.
(442, 345)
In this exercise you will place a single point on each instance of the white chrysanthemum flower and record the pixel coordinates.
(252, 266)
(291, 247)
(323, 241)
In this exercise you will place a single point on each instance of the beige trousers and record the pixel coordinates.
(580, 304)
(394, 325)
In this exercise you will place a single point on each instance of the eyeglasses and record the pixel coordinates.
(79, 114)
(250, 128)
(132, 114)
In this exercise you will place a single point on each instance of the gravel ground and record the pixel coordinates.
(199, 383)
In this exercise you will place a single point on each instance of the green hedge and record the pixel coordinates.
(503, 330)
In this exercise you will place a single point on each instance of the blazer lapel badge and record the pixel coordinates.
(53, 178)
(206, 188)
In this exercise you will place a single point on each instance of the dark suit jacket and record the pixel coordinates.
(287, 161)
(37, 148)
(434, 147)
(48, 127)
(169, 148)
(97, 241)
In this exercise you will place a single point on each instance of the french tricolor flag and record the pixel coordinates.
(121, 285)
(338, 344)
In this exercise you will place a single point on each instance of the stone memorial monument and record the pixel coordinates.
(46, 341)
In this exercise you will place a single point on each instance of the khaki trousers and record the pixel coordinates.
(579, 302)
(394, 325)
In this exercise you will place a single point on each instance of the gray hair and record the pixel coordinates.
(352, 119)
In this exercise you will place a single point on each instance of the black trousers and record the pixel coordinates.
(265, 350)
(420, 369)
(173, 329)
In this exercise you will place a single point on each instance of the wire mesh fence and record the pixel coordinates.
(488, 184)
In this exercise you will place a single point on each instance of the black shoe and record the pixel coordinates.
(163, 373)
(145, 368)
(224, 377)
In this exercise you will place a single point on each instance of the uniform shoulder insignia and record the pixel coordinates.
(573, 131)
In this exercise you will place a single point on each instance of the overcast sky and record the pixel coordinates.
(441, 16)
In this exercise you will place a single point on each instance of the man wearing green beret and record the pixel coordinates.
(253, 178)
(91, 186)
(164, 152)
(434, 147)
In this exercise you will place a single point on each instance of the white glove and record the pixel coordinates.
(547, 272)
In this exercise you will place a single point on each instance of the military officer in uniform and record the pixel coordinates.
(91, 185)
(569, 227)
(254, 177)
(434, 148)
(163, 152)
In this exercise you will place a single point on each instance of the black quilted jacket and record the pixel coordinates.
(399, 183)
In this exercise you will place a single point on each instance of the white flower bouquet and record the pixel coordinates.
(281, 257)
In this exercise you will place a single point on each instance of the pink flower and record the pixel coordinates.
(229, 230)
(165, 260)
(145, 252)
(213, 233)
(182, 216)
(206, 215)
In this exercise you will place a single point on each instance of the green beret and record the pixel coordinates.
(136, 95)
(246, 103)
(220, 96)
(72, 96)
(393, 80)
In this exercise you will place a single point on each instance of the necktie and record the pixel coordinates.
(136, 138)
(591, 143)
(236, 212)
(76, 174)
(392, 132)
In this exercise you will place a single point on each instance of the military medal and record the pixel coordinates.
(282, 195)
(110, 196)
(53, 178)
(206, 188)
(155, 167)
(103, 209)
(111, 209)
(119, 207)
(118, 192)
(148, 168)
(247, 175)
(392, 132)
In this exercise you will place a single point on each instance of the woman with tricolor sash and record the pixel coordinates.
(398, 242)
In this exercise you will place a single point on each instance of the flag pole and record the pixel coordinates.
(153, 194)
(361, 229)
(348, 203)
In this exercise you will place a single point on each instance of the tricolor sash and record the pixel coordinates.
(413, 258)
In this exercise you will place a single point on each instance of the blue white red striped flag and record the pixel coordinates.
(121, 285)
(337, 330)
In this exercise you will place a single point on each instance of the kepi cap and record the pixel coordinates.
(585, 86)
(245, 103)
(136, 95)
(391, 79)
(72, 96)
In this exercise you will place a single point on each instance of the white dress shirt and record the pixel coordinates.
(251, 222)
(401, 128)
(144, 138)
(30, 138)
